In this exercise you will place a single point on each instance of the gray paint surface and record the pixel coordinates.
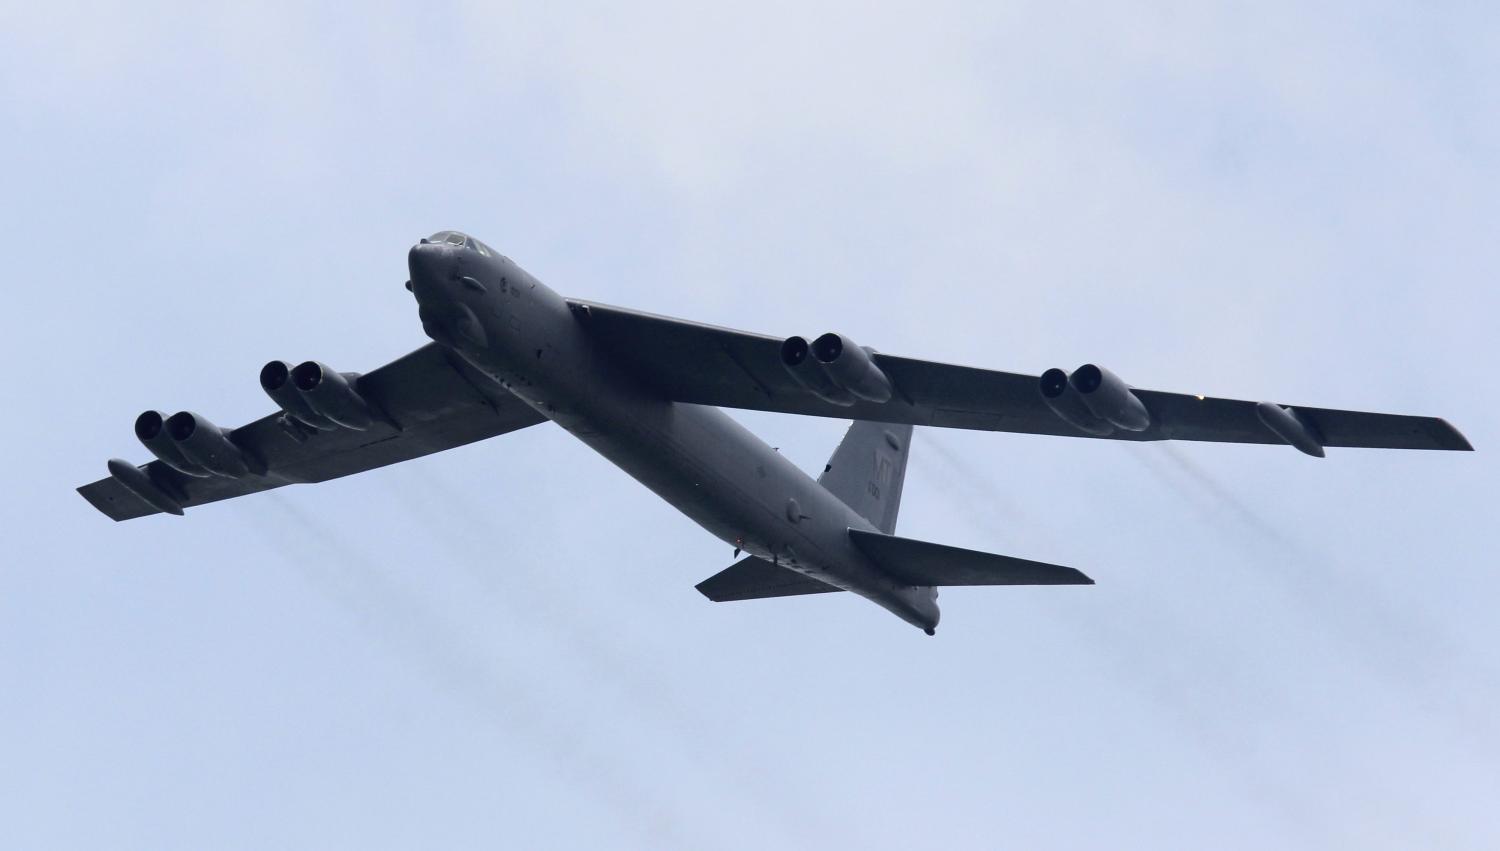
(627, 385)
(1277, 202)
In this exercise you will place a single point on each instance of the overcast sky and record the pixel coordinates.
(501, 646)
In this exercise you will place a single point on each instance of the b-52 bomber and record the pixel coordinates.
(645, 391)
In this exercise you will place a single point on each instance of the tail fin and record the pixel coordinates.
(868, 469)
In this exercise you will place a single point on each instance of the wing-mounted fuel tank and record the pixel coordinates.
(1291, 426)
(835, 369)
(1094, 400)
(157, 493)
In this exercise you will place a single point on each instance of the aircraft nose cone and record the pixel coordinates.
(430, 264)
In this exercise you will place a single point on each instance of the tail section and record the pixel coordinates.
(868, 469)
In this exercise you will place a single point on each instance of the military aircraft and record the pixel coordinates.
(645, 391)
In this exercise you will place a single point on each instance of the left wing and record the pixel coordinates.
(709, 365)
(428, 401)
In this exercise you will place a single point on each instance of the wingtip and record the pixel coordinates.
(1456, 439)
(1078, 577)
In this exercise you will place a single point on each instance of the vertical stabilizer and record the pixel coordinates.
(868, 469)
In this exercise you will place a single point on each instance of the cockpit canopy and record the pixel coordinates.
(462, 240)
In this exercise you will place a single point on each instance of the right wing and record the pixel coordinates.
(433, 401)
(708, 365)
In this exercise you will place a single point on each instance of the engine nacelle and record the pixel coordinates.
(1109, 398)
(1069, 406)
(276, 380)
(332, 395)
(150, 430)
(851, 368)
(811, 375)
(208, 446)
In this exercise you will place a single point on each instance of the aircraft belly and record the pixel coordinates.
(729, 482)
(696, 458)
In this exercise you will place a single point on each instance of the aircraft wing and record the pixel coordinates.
(430, 401)
(709, 365)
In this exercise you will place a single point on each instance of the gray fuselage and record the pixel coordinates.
(517, 331)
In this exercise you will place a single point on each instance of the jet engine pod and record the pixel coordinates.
(208, 446)
(1069, 406)
(150, 430)
(331, 395)
(276, 380)
(851, 368)
(1109, 398)
(811, 375)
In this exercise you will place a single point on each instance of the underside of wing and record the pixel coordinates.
(424, 402)
(709, 365)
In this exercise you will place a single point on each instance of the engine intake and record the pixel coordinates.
(1069, 406)
(332, 395)
(150, 430)
(208, 446)
(851, 368)
(811, 375)
(1109, 398)
(276, 380)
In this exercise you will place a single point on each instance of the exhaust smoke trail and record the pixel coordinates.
(1002, 505)
(356, 582)
(1407, 663)
(598, 649)
(1375, 613)
(1113, 634)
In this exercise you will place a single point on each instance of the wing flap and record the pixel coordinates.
(755, 578)
(921, 563)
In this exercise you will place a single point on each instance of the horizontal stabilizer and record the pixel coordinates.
(923, 564)
(755, 578)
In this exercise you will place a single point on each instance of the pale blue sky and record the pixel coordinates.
(502, 647)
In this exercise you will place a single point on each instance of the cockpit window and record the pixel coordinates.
(452, 237)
